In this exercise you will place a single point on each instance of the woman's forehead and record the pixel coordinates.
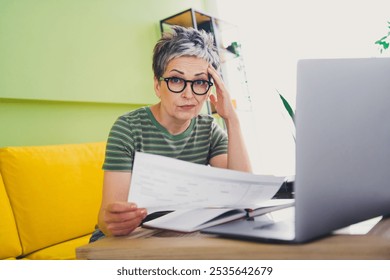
(188, 64)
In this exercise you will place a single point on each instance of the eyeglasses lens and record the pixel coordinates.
(177, 85)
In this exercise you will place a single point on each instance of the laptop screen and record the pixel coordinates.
(343, 143)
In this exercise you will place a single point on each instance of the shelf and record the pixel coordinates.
(188, 18)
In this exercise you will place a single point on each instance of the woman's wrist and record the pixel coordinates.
(232, 120)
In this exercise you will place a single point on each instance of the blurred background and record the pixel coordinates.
(69, 68)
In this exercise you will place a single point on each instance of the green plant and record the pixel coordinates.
(287, 106)
(290, 111)
(384, 42)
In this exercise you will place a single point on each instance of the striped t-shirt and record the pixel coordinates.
(139, 131)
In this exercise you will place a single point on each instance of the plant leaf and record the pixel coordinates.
(384, 44)
(287, 106)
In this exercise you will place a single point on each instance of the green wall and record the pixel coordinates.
(69, 68)
(44, 123)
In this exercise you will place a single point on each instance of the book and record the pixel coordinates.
(197, 195)
(190, 220)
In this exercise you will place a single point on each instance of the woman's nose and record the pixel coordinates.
(187, 92)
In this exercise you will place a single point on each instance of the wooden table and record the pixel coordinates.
(147, 244)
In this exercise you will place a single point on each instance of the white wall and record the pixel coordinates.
(277, 33)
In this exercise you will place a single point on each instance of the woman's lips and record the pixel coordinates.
(186, 107)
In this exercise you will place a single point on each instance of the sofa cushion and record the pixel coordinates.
(55, 191)
(9, 238)
(63, 251)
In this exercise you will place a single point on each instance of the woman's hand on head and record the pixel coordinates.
(221, 101)
(121, 218)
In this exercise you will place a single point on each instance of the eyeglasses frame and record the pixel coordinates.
(166, 79)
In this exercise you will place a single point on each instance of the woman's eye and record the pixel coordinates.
(176, 80)
(200, 82)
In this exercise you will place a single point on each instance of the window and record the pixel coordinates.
(274, 35)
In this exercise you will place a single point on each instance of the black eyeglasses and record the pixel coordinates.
(177, 85)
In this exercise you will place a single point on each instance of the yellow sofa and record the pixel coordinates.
(49, 199)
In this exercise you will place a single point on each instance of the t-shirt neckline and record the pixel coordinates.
(180, 136)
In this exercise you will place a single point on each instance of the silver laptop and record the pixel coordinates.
(342, 152)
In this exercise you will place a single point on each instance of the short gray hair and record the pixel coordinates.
(183, 41)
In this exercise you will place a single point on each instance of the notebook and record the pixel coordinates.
(342, 152)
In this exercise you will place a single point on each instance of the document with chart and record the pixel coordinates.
(197, 192)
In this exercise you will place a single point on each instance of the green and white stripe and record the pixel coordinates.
(139, 131)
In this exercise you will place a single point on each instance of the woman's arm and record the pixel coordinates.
(117, 216)
(237, 157)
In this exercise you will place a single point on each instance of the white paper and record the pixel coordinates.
(162, 183)
(189, 220)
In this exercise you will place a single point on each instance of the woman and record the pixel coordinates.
(184, 65)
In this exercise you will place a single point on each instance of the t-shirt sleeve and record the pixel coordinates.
(120, 147)
(219, 141)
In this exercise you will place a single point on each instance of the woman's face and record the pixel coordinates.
(185, 105)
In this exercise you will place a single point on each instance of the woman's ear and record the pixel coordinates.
(211, 92)
(157, 87)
